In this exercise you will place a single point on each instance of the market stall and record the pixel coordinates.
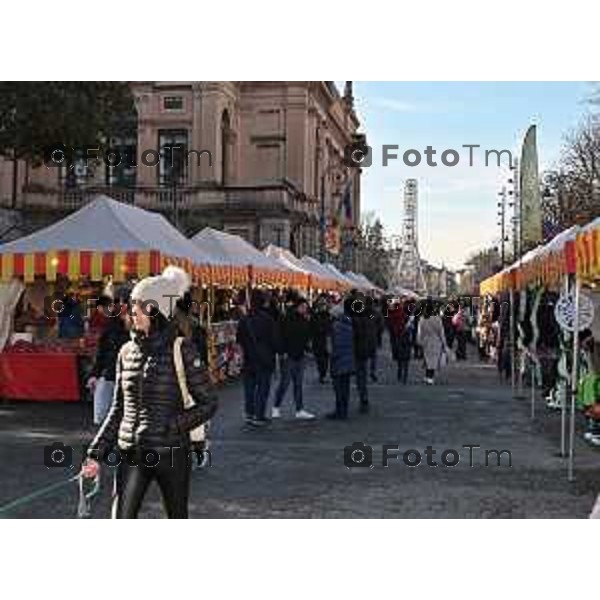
(238, 266)
(545, 293)
(104, 244)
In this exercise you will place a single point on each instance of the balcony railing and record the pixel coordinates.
(275, 198)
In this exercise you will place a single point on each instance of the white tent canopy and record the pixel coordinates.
(285, 258)
(105, 225)
(316, 268)
(360, 281)
(227, 249)
(353, 277)
(337, 274)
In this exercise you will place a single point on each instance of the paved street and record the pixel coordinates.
(296, 469)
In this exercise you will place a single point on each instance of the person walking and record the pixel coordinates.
(103, 374)
(258, 336)
(397, 319)
(152, 417)
(374, 310)
(365, 344)
(450, 311)
(295, 336)
(405, 346)
(432, 339)
(321, 325)
(342, 358)
(460, 333)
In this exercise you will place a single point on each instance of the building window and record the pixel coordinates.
(121, 167)
(173, 103)
(173, 144)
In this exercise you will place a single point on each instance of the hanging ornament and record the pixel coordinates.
(564, 312)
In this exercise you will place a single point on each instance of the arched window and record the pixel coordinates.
(225, 148)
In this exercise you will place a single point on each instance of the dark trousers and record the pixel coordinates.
(322, 359)
(257, 385)
(341, 387)
(403, 370)
(373, 363)
(429, 373)
(291, 370)
(172, 474)
(361, 380)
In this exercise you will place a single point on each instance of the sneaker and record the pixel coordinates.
(276, 412)
(587, 436)
(595, 440)
(333, 416)
(260, 422)
(428, 380)
(304, 415)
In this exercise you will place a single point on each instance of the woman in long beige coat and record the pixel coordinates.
(431, 338)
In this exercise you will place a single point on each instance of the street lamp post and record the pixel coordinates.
(502, 215)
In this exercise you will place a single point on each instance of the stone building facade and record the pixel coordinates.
(259, 159)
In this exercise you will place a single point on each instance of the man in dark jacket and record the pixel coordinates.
(295, 335)
(258, 337)
(321, 336)
(342, 358)
(374, 310)
(365, 344)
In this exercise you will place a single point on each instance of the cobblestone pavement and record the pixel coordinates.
(296, 469)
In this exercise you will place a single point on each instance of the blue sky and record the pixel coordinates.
(457, 212)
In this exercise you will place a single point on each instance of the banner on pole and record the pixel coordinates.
(529, 185)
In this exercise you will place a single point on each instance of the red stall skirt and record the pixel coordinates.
(39, 376)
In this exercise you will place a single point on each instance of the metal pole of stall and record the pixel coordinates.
(512, 342)
(563, 404)
(532, 369)
(574, 379)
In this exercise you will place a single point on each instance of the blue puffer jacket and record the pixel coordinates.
(342, 346)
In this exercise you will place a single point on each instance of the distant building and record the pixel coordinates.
(263, 160)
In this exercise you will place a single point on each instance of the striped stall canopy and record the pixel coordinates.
(587, 250)
(545, 265)
(104, 237)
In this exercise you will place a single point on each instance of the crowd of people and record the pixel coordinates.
(345, 337)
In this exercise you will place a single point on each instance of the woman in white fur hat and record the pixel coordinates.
(150, 421)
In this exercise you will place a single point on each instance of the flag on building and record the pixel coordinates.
(346, 211)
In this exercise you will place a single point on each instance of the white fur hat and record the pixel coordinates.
(164, 289)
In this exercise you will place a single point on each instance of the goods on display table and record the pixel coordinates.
(224, 353)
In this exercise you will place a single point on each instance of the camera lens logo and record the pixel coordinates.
(56, 156)
(358, 154)
(359, 306)
(54, 305)
(358, 455)
(58, 455)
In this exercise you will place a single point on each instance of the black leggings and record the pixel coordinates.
(172, 475)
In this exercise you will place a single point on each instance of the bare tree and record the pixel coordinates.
(570, 192)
